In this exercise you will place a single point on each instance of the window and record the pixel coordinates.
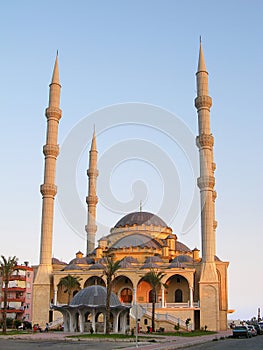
(28, 295)
(178, 296)
(126, 295)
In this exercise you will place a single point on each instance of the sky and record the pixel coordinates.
(128, 68)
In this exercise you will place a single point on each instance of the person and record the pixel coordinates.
(46, 329)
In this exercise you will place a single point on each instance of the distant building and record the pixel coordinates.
(196, 286)
(19, 298)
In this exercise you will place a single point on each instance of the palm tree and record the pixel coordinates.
(7, 267)
(154, 278)
(69, 283)
(109, 270)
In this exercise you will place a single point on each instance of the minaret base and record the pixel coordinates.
(209, 298)
(41, 295)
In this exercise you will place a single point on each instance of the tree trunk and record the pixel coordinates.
(153, 310)
(5, 306)
(107, 307)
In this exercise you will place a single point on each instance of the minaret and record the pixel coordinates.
(92, 199)
(209, 299)
(41, 297)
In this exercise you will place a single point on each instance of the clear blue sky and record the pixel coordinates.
(116, 52)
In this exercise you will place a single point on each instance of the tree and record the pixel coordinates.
(7, 267)
(69, 283)
(110, 268)
(154, 278)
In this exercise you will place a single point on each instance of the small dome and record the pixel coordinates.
(72, 267)
(82, 261)
(180, 247)
(140, 218)
(136, 240)
(182, 259)
(94, 295)
(96, 266)
(56, 261)
(150, 265)
(130, 259)
(125, 264)
(153, 259)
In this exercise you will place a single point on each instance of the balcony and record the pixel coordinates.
(17, 278)
(14, 298)
(13, 310)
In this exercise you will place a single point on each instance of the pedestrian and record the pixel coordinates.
(46, 329)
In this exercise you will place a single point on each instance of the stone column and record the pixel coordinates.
(162, 304)
(191, 296)
(134, 300)
(55, 296)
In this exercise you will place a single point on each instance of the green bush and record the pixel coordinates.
(17, 323)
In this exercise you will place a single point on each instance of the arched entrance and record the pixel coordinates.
(94, 280)
(178, 290)
(123, 287)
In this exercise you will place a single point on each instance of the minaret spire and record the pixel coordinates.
(92, 199)
(206, 182)
(41, 298)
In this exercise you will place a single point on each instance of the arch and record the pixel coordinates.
(93, 280)
(143, 290)
(178, 290)
(75, 292)
(122, 282)
(88, 316)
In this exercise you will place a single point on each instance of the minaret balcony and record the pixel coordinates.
(51, 150)
(206, 182)
(48, 190)
(92, 172)
(92, 200)
(203, 101)
(53, 113)
(205, 140)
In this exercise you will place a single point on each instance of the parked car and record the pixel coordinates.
(242, 331)
(252, 330)
(25, 325)
(258, 328)
(261, 325)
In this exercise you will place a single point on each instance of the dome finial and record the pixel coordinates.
(140, 206)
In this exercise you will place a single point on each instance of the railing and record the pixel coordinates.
(182, 305)
(170, 318)
(56, 323)
(170, 305)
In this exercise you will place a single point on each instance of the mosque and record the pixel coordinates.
(195, 284)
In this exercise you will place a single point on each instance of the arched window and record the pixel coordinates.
(178, 296)
(126, 295)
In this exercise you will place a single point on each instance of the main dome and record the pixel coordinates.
(140, 218)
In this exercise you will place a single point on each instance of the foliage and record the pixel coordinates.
(110, 267)
(187, 322)
(154, 278)
(17, 323)
(69, 283)
(177, 327)
(7, 267)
